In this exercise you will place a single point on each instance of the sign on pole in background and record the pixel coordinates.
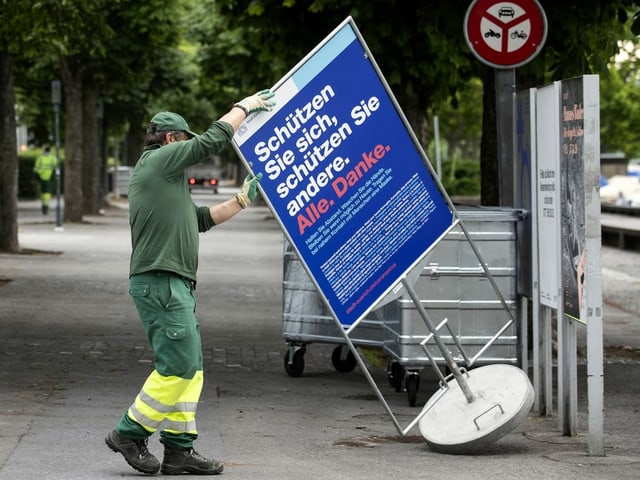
(344, 175)
(505, 34)
(525, 171)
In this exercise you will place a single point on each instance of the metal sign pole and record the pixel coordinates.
(505, 96)
(592, 301)
(55, 100)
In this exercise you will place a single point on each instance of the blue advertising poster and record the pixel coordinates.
(344, 176)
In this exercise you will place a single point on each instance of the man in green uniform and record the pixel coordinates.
(165, 224)
(43, 171)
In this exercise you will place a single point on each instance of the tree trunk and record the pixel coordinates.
(91, 154)
(133, 140)
(424, 134)
(8, 159)
(73, 199)
(489, 172)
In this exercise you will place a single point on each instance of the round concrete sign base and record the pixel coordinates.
(503, 396)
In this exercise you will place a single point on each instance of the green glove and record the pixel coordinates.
(249, 190)
(261, 101)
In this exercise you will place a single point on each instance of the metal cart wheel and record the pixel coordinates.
(395, 371)
(294, 363)
(343, 359)
(412, 383)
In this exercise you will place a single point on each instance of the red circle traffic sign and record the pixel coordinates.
(505, 34)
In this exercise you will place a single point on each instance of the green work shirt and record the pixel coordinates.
(164, 220)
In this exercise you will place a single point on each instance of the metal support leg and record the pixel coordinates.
(453, 366)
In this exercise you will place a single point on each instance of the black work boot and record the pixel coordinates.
(178, 461)
(135, 452)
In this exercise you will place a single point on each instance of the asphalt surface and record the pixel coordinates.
(73, 356)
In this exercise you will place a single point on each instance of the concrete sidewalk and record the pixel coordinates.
(74, 356)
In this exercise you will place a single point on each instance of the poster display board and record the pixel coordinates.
(572, 182)
(580, 162)
(344, 175)
(548, 192)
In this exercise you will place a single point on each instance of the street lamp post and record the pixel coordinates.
(55, 100)
(102, 168)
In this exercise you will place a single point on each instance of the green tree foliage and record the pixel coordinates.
(620, 100)
(461, 177)
(419, 46)
(133, 57)
(620, 111)
(199, 57)
(75, 31)
(119, 51)
(141, 63)
(15, 47)
(460, 120)
(582, 38)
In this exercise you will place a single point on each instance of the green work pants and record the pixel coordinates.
(166, 305)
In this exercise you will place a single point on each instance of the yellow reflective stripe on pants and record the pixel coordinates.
(171, 401)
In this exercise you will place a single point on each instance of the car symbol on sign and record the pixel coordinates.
(506, 12)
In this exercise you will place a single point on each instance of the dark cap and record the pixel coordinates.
(169, 122)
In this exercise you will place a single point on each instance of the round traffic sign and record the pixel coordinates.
(505, 34)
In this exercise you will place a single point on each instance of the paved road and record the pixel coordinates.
(73, 357)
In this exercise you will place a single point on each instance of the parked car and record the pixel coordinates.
(633, 167)
(203, 176)
(621, 187)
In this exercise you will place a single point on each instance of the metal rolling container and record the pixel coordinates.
(306, 319)
(454, 286)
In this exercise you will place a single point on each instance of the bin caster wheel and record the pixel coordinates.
(295, 367)
(395, 372)
(343, 359)
(412, 383)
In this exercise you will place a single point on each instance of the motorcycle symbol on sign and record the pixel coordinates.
(520, 34)
(491, 33)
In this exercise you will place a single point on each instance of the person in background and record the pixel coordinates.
(165, 223)
(43, 172)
